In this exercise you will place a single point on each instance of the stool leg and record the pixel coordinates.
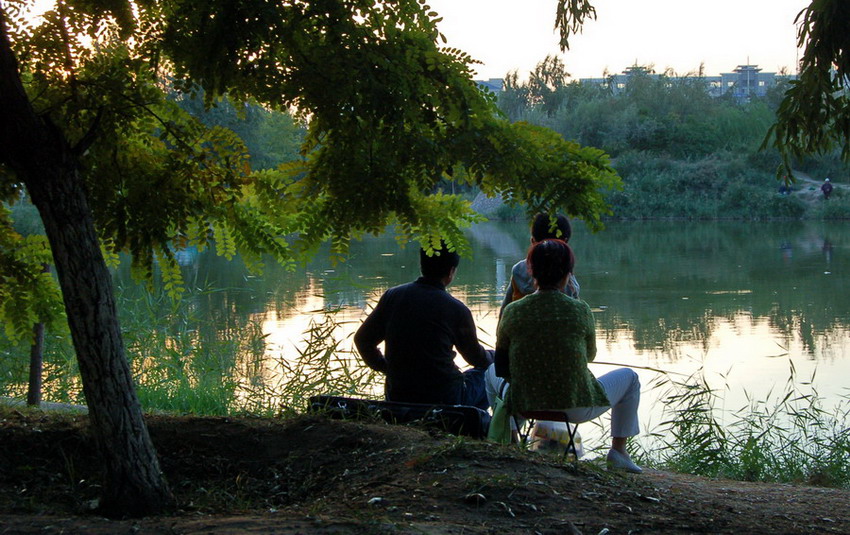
(529, 425)
(519, 435)
(571, 444)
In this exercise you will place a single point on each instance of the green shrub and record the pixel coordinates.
(823, 166)
(837, 207)
(507, 212)
(722, 185)
(27, 220)
(785, 207)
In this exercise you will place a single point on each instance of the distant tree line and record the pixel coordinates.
(272, 137)
(680, 151)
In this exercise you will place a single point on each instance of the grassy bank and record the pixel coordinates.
(717, 187)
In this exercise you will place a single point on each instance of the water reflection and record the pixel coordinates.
(741, 299)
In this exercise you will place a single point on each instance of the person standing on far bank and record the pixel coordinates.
(826, 188)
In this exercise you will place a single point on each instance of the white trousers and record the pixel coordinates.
(622, 388)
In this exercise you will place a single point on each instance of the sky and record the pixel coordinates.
(679, 34)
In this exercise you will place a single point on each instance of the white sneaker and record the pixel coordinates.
(621, 461)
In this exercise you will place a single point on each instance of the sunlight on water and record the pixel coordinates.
(744, 303)
(743, 359)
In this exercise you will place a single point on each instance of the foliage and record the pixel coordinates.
(182, 363)
(547, 90)
(100, 92)
(208, 354)
(722, 186)
(88, 131)
(814, 117)
(824, 166)
(547, 84)
(271, 137)
(28, 294)
(412, 112)
(570, 17)
(60, 375)
(680, 152)
(837, 207)
(160, 179)
(508, 213)
(322, 366)
(157, 178)
(665, 114)
(196, 356)
(693, 441)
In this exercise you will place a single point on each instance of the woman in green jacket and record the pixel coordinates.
(543, 345)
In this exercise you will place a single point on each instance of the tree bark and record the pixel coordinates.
(36, 366)
(36, 360)
(41, 158)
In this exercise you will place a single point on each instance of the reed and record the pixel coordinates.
(323, 366)
(787, 437)
(60, 376)
(181, 363)
(185, 363)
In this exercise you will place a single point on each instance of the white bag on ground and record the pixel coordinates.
(549, 436)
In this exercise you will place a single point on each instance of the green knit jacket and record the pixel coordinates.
(548, 339)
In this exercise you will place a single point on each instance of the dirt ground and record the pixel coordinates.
(312, 475)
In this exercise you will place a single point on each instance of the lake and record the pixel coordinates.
(745, 302)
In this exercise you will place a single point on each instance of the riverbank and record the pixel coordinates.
(656, 194)
(318, 476)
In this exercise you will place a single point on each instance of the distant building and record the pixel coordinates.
(745, 82)
(617, 82)
(495, 85)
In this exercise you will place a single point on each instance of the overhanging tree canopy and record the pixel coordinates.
(107, 159)
(814, 116)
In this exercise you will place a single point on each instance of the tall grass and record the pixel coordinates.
(322, 366)
(787, 437)
(187, 363)
(180, 363)
(60, 376)
(837, 207)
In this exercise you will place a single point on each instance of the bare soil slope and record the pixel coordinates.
(318, 476)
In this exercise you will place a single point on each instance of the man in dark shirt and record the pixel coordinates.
(419, 323)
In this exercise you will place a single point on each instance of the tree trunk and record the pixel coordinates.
(41, 158)
(36, 360)
(36, 365)
(134, 485)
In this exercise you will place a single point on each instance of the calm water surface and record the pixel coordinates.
(746, 302)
